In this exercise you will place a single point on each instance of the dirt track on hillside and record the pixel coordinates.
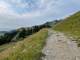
(60, 47)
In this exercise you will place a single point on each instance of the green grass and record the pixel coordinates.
(71, 26)
(28, 49)
(6, 46)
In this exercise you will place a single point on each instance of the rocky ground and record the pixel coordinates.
(60, 47)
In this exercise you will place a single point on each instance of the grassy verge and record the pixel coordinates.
(28, 49)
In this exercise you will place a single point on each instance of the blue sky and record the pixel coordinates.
(18, 13)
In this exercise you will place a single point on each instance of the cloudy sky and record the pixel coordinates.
(17, 13)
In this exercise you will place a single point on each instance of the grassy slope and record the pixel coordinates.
(28, 49)
(70, 25)
(6, 46)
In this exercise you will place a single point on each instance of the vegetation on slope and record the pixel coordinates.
(28, 49)
(52, 23)
(6, 46)
(71, 25)
(20, 34)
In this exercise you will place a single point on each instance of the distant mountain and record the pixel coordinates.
(19, 34)
(3, 32)
(52, 23)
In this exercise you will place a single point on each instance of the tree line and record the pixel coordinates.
(18, 34)
(21, 33)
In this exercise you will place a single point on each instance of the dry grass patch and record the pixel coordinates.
(28, 49)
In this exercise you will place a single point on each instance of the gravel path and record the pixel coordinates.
(60, 47)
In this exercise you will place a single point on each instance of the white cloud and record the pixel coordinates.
(44, 6)
(45, 9)
(4, 7)
(22, 5)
